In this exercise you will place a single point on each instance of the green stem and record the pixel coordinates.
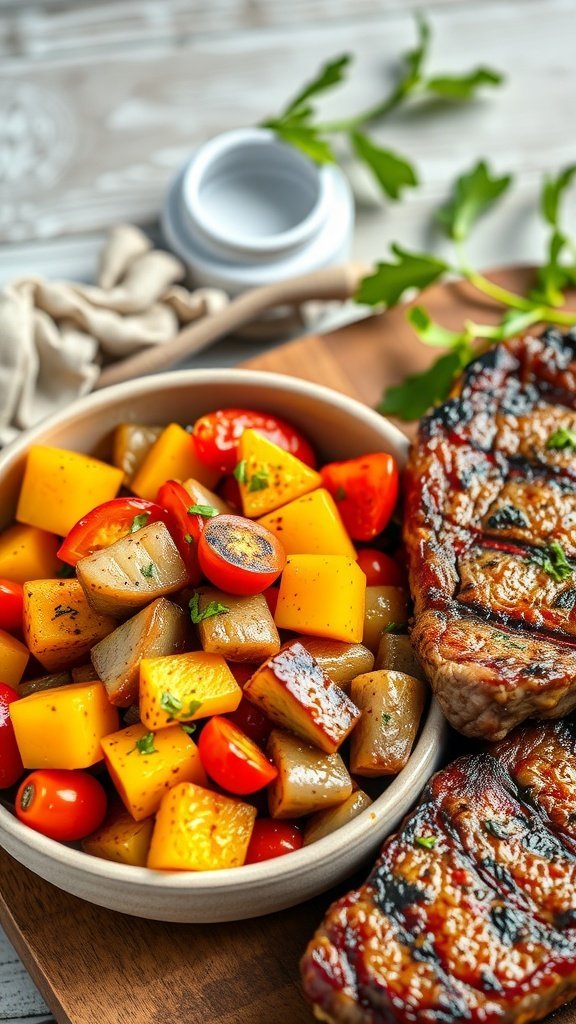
(495, 291)
(350, 124)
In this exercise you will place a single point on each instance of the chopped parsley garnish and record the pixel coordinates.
(428, 842)
(552, 560)
(240, 472)
(499, 635)
(203, 510)
(211, 609)
(189, 729)
(259, 480)
(139, 521)
(562, 438)
(192, 708)
(393, 627)
(145, 745)
(149, 571)
(188, 538)
(386, 718)
(170, 703)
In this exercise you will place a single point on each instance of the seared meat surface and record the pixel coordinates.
(490, 528)
(470, 912)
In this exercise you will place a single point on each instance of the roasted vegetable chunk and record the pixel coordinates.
(184, 687)
(121, 839)
(341, 661)
(308, 779)
(322, 595)
(60, 626)
(197, 830)
(245, 632)
(391, 704)
(323, 823)
(63, 728)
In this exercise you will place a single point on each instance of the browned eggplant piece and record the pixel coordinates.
(391, 705)
(295, 693)
(50, 682)
(341, 661)
(323, 823)
(395, 652)
(84, 673)
(132, 442)
(246, 632)
(135, 570)
(158, 629)
(307, 780)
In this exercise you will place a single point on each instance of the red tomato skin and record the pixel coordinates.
(62, 804)
(216, 436)
(11, 767)
(365, 491)
(222, 549)
(272, 839)
(175, 502)
(229, 490)
(11, 606)
(271, 596)
(232, 759)
(381, 570)
(82, 539)
(250, 718)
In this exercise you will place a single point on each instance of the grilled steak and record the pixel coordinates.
(470, 912)
(490, 527)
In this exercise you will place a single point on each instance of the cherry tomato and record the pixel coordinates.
(11, 767)
(365, 490)
(239, 556)
(271, 839)
(61, 804)
(229, 490)
(216, 436)
(107, 523)
(271, 595)
(380, 570)
(185, 527)
(11, 605)
(232, 759)
(250, 718)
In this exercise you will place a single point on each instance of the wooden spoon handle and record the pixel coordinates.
(331, 283)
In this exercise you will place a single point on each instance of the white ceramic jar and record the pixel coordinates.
(248, 209)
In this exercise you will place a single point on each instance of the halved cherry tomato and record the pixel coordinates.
(240, 556)
(185, 527)
(365, 490)
(233, 760)
(216, 436)
(249, 717)
(61, 804)
(11, 767)
(11, 605)
(106, 524)
(271, 839)
(381, 570)
(271, 595)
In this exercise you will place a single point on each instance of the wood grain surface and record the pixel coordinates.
(93, 965)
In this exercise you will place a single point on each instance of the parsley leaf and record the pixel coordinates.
(555, 276)
(552, 193)
(433, 334)
(211, 609)
(562, 438)
(428, 842)
(208, 511)
(170, 703)
(240, 471)
(475, 192)
(393, 627)
(463, 87)
(390, 281)
(386, 719)
(139, 521)
(145, 745)
(307, 139)
(330, 74)
(259, 480)
(552, 560)
(149, 571)
(419, 392)
(188, 538)
(392, 172)
(189, 729)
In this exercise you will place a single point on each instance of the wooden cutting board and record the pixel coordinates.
(94, 966)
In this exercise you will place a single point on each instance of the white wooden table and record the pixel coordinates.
(102, 100)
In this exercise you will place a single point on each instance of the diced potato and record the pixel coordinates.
(341, 661)
(158, 629)
(142, 778)
(385, 606)
(84, 673)
(132, 442)
(13, 659)
(27, 553)
(308, 779)
(272, 477)
(294, 692)
(171, 457)
(323, 823)
(63, 728)
(59, 487)
(246, 632)
(391, 704)
(133, 571)
(60, 627)
(395, 652)
(121, 839)
(310, 525)
(322, 595)
(50, 682)
(184, 687)
(197, 830)
(201, 495)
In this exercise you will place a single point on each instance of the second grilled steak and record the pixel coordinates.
(490, 527)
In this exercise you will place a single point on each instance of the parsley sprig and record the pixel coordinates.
(298, 124)
(552, 560)
(474, 193)
(212, 608)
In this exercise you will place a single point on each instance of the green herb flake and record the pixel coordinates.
(386, 719)
(427, 842)
(474, 193)
(145, 745)
(390, 281)
(240, 472)
(394, 627)
(188, 538)
(552, 560)
(149, 571)
(189, 729)
(139, 521)
(208, 511)
(506, 639)
(561, 439)
(340, 494)
(170, 703)
(193, 707)
(211, 609)
(259, 481)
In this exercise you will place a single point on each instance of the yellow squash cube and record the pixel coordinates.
(310, 525)
(59, 487)
(142, 777)
(183, 687)
(121, 839)
(171, 457)
(322, 595)
(13, 659)
(27, 553)
(197, 830)
(270, 477)
(63, 728)
(60, 627)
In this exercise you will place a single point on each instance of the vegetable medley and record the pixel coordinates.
(206, 670)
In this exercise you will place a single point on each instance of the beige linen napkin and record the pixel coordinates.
(54, 335)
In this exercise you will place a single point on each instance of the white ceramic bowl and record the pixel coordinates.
(339, 428)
